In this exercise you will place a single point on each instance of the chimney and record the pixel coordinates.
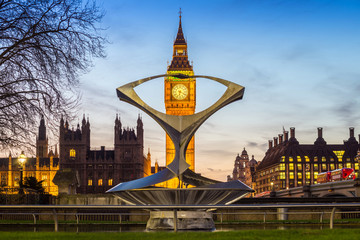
(275, 141)
(320, 135)
(270, 143)
(280, 138)
(351, 132)
(292, 132)
(286, 133)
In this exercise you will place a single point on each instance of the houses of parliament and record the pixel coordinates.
(96, 170)
(99, 170)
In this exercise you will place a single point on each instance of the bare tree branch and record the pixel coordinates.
(44, 46)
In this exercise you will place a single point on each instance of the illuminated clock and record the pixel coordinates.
(179, 91)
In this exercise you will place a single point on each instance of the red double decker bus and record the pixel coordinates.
(336, 175)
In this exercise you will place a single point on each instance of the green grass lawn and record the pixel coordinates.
(302, 234)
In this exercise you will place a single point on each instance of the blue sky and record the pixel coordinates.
(298, 61)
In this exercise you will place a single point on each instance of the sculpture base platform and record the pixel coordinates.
(186, 220)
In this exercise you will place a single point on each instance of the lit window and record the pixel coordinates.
(339, 155)
(299, 175)
(16, 179)
(299, 166)
(299, 183)
(282, 167)
(315, 159)
(72, 153)
(44, 177)
(110, 182)
(341, 166)
(331, 159)
(89, 182)
(100, 182)
(4, 179)
(324, 168)
(356, 166)
(282, 175)
(323, 159)
(298, 158)
(291, 166)
(316, 167)
(332, 166)
(307, 159)
(291, 159)
(283, 159)
(307, 175)
(291, 175)
(348, 165)
(315, 175)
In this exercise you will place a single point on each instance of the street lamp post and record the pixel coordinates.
(272, 193)
(21, 159)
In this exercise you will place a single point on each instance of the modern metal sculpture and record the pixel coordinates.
(180, 129)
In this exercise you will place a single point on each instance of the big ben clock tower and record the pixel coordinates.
(180, 95)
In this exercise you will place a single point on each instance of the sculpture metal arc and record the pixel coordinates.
(179, 128)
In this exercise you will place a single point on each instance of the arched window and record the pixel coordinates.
(90, 181)
(110, 179)
(100, 182)
(72, 153)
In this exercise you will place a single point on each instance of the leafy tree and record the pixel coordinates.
(44, 46)
(34, 184)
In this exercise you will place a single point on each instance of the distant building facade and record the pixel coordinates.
(288, 164)
(244, 169)
(44, 166)
(99, 170)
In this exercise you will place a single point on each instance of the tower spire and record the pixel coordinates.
(180, 60)
(180, 40)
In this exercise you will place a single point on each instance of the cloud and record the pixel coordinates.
(262, 78)
(299, 52)
(340, 95)
(262, 146)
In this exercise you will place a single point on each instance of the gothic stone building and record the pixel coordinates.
(44, 166)
(99, 170)
(288, 164)
(244, 169)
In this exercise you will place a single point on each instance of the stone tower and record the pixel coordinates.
(129, 147)
(180, 94)
(74, 144)
(241, 166)
(42, 141)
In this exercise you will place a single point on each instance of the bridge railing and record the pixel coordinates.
(60, 210)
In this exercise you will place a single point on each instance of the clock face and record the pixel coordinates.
(179, 91)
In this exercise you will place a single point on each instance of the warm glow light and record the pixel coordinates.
(22, 158)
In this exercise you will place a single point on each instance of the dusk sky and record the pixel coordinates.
(298, 61)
